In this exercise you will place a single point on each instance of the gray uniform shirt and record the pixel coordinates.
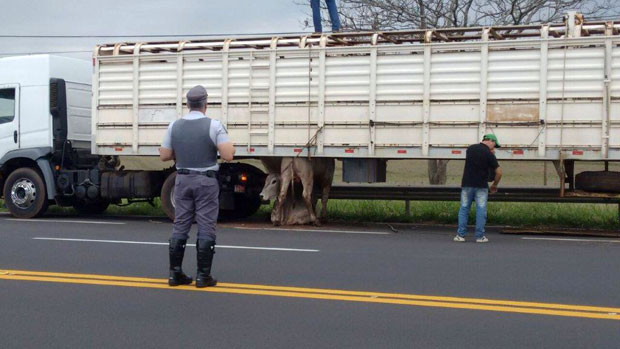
(217, 133)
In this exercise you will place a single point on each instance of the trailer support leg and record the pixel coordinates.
(569, 166)
(408, 207)
(559, 167)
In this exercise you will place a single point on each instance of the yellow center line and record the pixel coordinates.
(554, 309)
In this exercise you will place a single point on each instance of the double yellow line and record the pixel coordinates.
(580, 311)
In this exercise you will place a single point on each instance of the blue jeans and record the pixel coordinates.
(468, 195)
(333, 14)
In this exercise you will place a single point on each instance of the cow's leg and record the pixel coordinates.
(274, 215)
(326, 186)
(307, 196)
(281, 201)
(324, 196)
(286, 176)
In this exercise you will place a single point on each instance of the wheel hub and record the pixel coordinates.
(23, 193)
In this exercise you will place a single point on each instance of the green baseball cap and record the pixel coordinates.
(491, 137)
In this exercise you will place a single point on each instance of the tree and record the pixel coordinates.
(421, 14)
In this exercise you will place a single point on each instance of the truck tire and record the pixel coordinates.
(245, 208)
(167, 196)
(253, 204)
(598, 181)
(87, 208)
(24, 193)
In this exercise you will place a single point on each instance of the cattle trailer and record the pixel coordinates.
(548, 91)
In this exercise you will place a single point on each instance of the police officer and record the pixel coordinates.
(193, 142)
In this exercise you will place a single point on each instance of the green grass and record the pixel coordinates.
(136, 209)
(539, 215)
(533, 215)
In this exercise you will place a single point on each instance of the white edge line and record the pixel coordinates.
(265, 248)
(572, 240)
(313, 230)
(166, 244)
(59, 221)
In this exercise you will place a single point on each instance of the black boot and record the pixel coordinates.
(205, 250)
(176, 252)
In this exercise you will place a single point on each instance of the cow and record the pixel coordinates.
(310, 172)
(293, 209)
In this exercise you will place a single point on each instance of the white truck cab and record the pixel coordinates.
(45, 148)
(25, 117)
(44, 103)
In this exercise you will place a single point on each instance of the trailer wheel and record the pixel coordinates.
(253, 204)
(598, 181)
(245, 207)
(86, 208)
(25, 194)
(167, 196)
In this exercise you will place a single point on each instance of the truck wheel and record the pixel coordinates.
(24, 193)
(245, 207)
(252, 205)
(598, 181)
(167, 196)
(86, 208)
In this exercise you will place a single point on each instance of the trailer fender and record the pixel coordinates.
(598, 181)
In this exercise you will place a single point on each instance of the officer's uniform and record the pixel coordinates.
(194, 139)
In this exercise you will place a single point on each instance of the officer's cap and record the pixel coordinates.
(197, 94)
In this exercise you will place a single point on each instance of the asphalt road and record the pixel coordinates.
(101, 282)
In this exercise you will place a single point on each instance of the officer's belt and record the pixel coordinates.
(209, 173)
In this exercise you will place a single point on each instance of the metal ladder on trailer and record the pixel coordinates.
(255, 65)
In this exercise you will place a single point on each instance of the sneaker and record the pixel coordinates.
(459, 238)
(482, 239)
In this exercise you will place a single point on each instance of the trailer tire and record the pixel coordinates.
(598, 181)
(245, 207)
(167, 196)
(253, 204)
(88, 208)
(25, 194)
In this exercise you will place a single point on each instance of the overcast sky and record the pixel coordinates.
(116, 18)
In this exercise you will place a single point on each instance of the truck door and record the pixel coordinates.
(9, 118)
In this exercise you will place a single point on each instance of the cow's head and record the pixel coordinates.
(271, 188)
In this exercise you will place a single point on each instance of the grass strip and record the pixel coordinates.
(566, 215)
